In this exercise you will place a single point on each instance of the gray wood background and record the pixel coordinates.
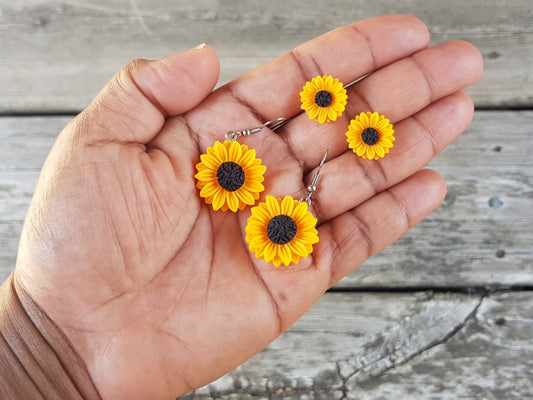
(444, 313)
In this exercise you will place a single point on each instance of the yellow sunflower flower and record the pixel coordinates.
(370, 135)
(323, 98)
(281, 231)
(229, 176)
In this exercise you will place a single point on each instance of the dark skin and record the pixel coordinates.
(158, 293)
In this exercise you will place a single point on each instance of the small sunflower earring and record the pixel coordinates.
(229, 175)
(370, 135)
(323, 98)
(281, 231)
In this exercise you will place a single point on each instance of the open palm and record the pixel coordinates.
(157, 292)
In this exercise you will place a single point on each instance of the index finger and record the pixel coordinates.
(347, 53)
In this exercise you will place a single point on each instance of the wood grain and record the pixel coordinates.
(56, 55)
(394, 346)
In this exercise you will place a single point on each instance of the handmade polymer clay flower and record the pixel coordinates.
(230, 176)
(370, 135)
(281, 230)
(323, 98)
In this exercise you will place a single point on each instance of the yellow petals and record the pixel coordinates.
(229, 176)
(286, 221)
(323, 98)
(370, 135)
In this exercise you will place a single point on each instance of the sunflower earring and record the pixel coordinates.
(323, 98)
(281, 231)
(229, 175)
(370, 135)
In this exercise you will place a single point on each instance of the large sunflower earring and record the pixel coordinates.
(229, 175)
(281, 231)
(323, 98)
(370, 135)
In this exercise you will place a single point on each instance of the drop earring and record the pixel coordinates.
(323, 98)
(370, 135)
(229, 174)
(282, 231)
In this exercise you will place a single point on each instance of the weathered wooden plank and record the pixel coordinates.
(490, 357)
(394, 346)
(26, 143)
(480, 236)
(56, 55)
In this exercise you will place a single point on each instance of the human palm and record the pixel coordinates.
(157, 292)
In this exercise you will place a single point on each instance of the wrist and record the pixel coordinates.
(37, 361)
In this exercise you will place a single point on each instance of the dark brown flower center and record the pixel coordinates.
(323, 98)
(281, 229)
(370, 136)
(230, 176)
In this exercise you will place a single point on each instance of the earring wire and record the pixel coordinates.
(273, 125)
(357, 80)
(312, 187)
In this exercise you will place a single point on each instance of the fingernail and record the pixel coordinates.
(200, 47)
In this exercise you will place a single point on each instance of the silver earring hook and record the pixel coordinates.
(272, 125)
(357, 80)
(312, 187)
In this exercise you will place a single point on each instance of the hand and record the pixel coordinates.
(158, 293)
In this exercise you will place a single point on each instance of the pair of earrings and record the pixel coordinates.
(230, 177)
(281, 231)
(370, 135)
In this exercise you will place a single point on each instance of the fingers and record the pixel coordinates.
(133, 106)
(396, 91)
(348, 180)
(348, 240)
(272, 90)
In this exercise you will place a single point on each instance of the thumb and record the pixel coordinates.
(133, 106)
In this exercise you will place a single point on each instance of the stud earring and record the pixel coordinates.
(281, 231)
(229, 175)
(323, 98)
(370, 135)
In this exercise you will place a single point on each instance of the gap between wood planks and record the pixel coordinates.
(483, 290)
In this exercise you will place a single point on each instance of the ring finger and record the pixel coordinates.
(347, 180)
